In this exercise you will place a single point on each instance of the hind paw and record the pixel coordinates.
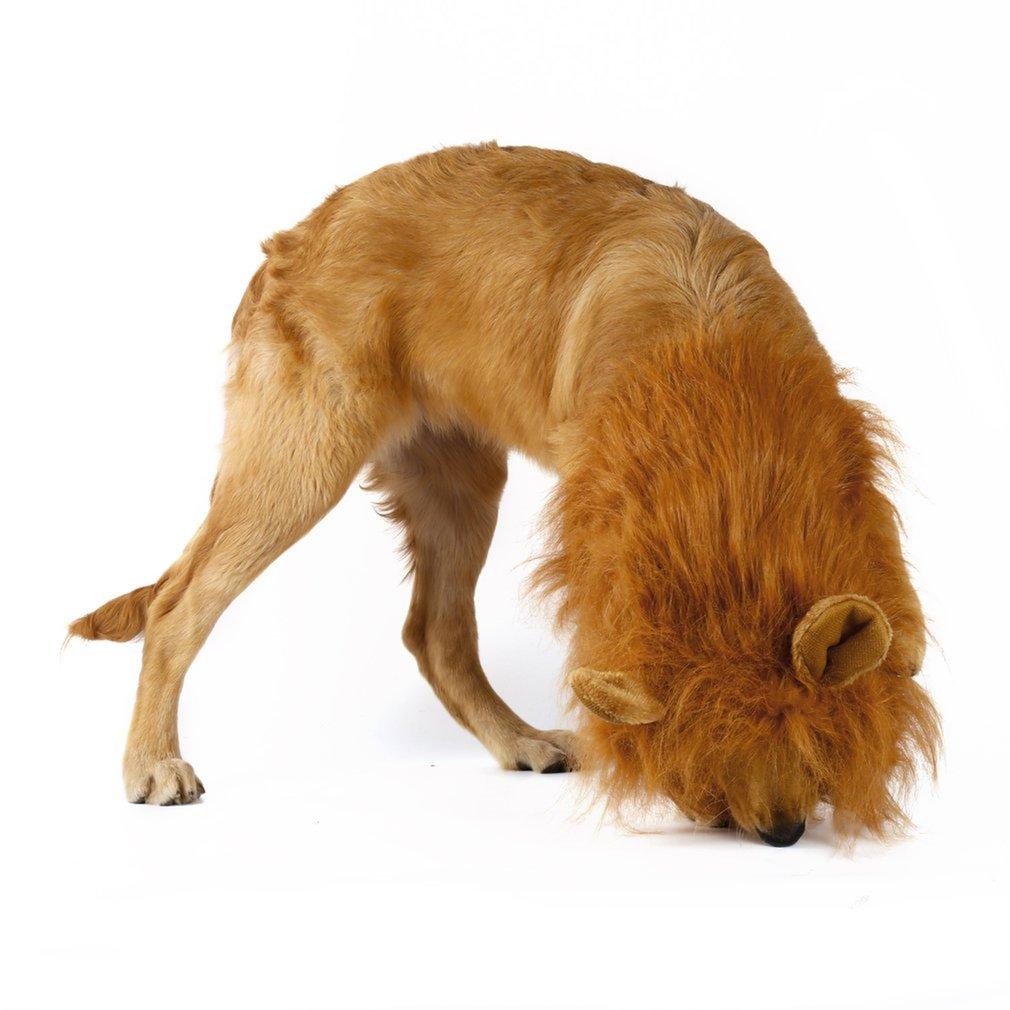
(170, 782)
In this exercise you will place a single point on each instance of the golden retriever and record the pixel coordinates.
(744, 631)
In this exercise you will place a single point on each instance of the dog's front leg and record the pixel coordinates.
(444, 487)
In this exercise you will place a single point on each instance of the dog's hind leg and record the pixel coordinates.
(294, 440)
(444, 488)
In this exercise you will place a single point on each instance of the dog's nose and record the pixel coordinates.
(784, 834)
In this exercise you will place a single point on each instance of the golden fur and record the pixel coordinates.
(714, 484)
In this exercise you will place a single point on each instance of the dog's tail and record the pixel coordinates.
(119, 620)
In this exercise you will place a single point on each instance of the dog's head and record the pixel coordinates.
(760, 740)
(745, 631)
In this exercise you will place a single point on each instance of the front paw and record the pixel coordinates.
(164, 783)
(551, 751)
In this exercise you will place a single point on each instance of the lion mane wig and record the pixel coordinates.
(745, 635)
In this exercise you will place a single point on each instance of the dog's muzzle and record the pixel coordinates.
(782, 835)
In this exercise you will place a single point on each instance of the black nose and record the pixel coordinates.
(783, 834)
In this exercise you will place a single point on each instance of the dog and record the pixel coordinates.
(744, 630)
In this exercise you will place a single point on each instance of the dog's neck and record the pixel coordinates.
(717, 487)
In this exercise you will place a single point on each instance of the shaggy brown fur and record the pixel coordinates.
(714, 485)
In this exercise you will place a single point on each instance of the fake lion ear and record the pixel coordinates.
(616, 697)
(840, 639)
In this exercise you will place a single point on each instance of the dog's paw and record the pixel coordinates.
(553, 751)
(165, 783)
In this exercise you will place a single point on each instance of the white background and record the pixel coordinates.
(355, 849)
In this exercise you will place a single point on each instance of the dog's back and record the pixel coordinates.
(504, 284)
